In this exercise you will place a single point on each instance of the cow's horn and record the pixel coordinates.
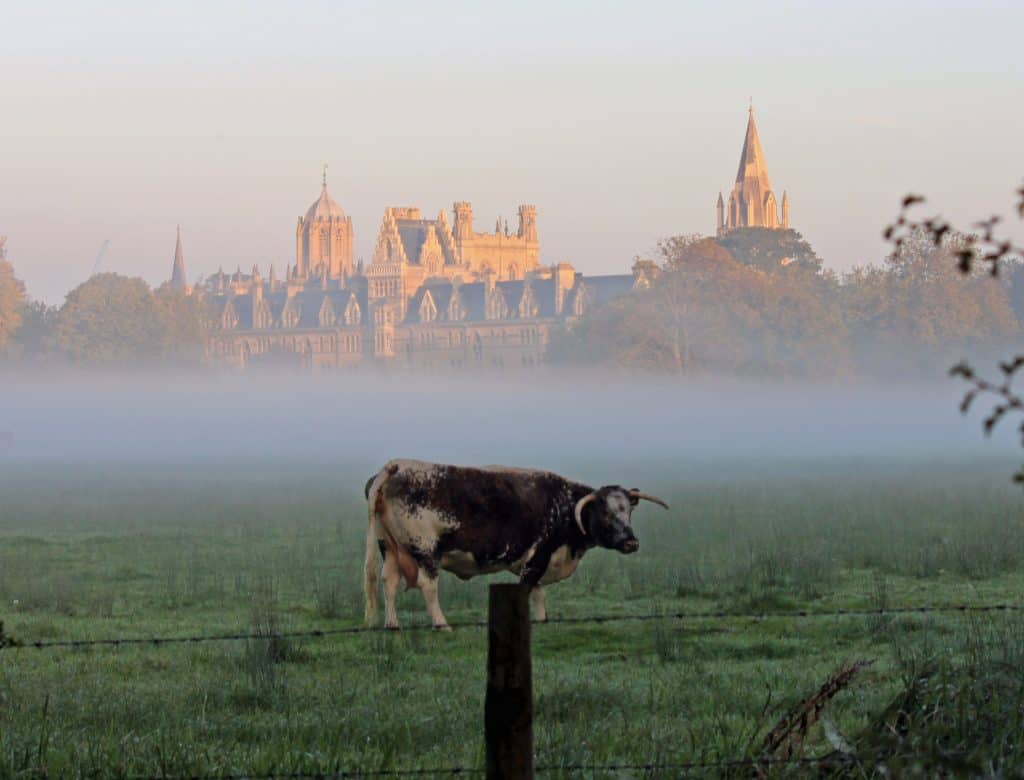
(647, 497)
(578, 511)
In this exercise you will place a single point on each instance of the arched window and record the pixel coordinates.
(428, 311)
(353, 314)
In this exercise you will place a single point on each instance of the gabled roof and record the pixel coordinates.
(413, 234)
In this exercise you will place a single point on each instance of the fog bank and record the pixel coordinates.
(539, 419)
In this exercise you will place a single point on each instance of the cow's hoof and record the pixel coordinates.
(444, 627)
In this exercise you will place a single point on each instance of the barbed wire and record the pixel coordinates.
(837, 759)
(335, 775)
(8, 642)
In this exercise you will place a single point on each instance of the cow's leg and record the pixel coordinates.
(540, 613)
(392, 579)
(428, 587)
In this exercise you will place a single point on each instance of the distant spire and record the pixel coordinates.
(178, 279)
(751, 203)
(325, 176)
(752, 163)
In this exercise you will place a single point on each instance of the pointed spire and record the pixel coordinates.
(178, 278)
(751, 202)
(325, 176)
(721, 203)
(752, 163)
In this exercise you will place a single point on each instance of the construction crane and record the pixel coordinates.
(99, 256)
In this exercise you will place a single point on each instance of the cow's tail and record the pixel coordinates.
(370, 570)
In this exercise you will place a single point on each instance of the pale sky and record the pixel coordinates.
(620, 121)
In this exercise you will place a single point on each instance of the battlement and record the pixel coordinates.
(405, 212)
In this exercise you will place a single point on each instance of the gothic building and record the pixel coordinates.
(437, 293)
(324, 239)
(752, 202)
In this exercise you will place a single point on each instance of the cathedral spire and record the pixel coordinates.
(178, 278)
(752, 202)
(752, 163)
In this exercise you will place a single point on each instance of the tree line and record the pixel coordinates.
(109, 321)
(756, 301)
(749, 302)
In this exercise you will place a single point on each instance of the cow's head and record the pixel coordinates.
(604, 516)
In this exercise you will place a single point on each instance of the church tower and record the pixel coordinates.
(178, 279)
(324, 239)
(752, 202)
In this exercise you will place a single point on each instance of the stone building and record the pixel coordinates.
(437, 294)
(752, 202)
(324, 240)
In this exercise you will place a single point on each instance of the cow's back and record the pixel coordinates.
(495, 513)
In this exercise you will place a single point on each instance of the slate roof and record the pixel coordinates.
(413, 233)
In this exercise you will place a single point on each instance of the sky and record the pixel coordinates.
(621, 121)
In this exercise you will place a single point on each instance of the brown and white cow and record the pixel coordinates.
(425, 517)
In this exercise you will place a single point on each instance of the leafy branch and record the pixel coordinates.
(981, 248)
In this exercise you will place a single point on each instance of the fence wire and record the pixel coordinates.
(834, 760)
(8, 642)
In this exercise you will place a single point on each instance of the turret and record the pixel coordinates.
(463, 220)
(720, 211)
(256, 287)
(785, 210)
(527, 222)
(565, 279)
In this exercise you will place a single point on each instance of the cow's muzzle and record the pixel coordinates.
(629, 546)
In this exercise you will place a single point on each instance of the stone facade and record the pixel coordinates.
(324, 240)
(752, 202)
(437, 294)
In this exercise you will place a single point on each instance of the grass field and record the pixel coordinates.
(125, 549)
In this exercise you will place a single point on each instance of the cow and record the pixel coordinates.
(425, 517)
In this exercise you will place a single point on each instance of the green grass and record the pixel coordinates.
(165, 549)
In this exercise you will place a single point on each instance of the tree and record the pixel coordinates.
(186, 323)
(12, 302)
(706, 311)
(110, 320)
(982, 250)
(917, 305)
(34, 337)
(770, 250)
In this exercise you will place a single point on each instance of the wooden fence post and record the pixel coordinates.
(508, 708)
